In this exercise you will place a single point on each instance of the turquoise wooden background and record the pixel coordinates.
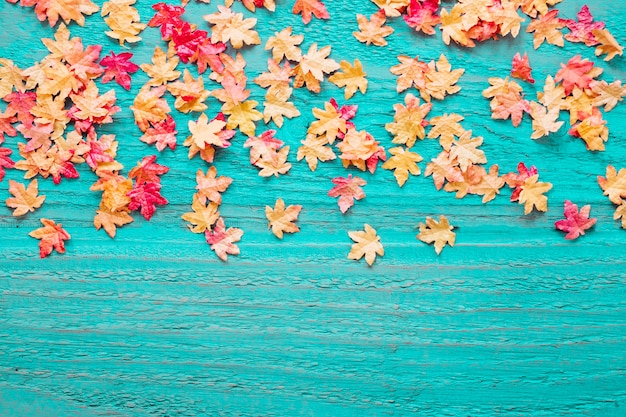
(512, 321)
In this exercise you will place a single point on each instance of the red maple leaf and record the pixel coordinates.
(574, 74)
(167, 17)
(6, 127)
(186, 41)
(582, 31)
(207, 53)
(20, 105)
(145, 197)
(162, 133)
(516, 180)
(575, 222)
(309, 8)
(52, 235)
(372, 161)
(521, 68)
(5, 161)
(422, 16)
(347, 189)
(147, 171)
(483, 30)
(118, 67)
(96, 154)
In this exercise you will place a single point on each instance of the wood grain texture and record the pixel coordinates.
(512, 321)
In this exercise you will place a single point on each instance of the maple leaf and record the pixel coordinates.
(203, 216)
(186, 41)
(422, 16)
(516, 180)
(309, 8)
(534, 7)
(442, 81)
(367, 243)
(111, 220)
(276, 106)
(391, 8)
(352, 77)
(607, 95)
(163, 69)
(150, 107)
(281, 219)
(208, 54)
(511, 104)
(576, 73)
(68, 10)
(452, 28)
(147, 171)
(443, 168)
(210, 187)
(10, 77)
(531, 194)
(552, 96)
(232, 27)
(582, 30)
(373, 31)
(285, 45)
(329, 125)
(438, 232)
(223, 240)
(544, 120)
(347, 189)
(411, 73)
(521, 68)
(263, 146)
(123, 20)
(167, 17)
(118, 67)
(205, 133)
(500, 86)
(24, 199)
(357, 148)
(409, 121)
(620, 213)
(489, 185)
(575, 222)
(313, 149)
(593, 131)
(242, 116)
(403, 162)
(190, 93)
(317, 63)
(145, 197)
(607, 44)
(92, 108)
(466, 151)
(276, 78)
(162, 133)
(274, 164)
(467, 180)
(52, 236)
(547, 28)
(445, 128)
(614, 185)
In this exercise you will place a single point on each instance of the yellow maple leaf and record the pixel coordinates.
(466, 151)
(614, 185)
(25, 199)
(202, 217)
(410, 72)
(10, 77)
(532, 194)
(276, 106)
(489, 185)
(274, 163)
(150, 107)
(438, 232)
(356, 147)
(281, 219)
(285, 45)
(552, 96)
(91, 106)
(594, 134)
(546, 28)
(391, 7)
(452, 27)
(373, 31)
(328, 124)
(205, 133)
(162, 70)
(367, 243)
(403, 162)
(608, 45)
(620, 213)
(446, 128)
(409, 121)
(352, 77)
(607, 95)
(111, 220)
(123, 20)
(190, 93)
(68, 10)
(314, 149)
(242, 116)
(441, 81)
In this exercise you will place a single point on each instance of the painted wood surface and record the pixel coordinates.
(512, 321)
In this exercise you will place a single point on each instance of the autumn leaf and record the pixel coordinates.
(150, 107)
(207, 133)
(367, 243)
(452, 28)
(466, 151)
(411, 72)
(582, 30)
(68, 10)
(190, 93)
(329, 123)
(162, 70)
(274, 164)
(285, 45)
(373, 31)
(52, 236)
(242, 116)
(233, 28)
(614, 184)
(409, 121)
(276, 107)
(147, 170)
(521, 68)
(544, 120)
(111, 220)
(317, 63)
(210, 187)
(309, 8)
(516, 180)
(123, 20)
(352, 77)
(313, 149)
(202, 217)
(547, 28)
(509, 105)
(608, 45)
(281, 219)
(446, 128)
(531, 194)
(576, 73)
(162, 133)
(421, 16)
(441, 80)
(223, 240)
(357, 148)
(391, 8)
(347, 189)
(118, 67)
(575, 222)
(607, 95)
(24, 200)
(403, 162)
(443, 168)
(145, 197)
(553, 96)
(438, 232)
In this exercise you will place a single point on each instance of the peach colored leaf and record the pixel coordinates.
(446, 128)
(373, 31)
(190, 93)
(274, 164)
(162, 133)
(232, 27)
(409, 121)
(620, 213)
(223, 240)
(466, 151)
(411, 72)
(367, 243)
(547, 28)
(614, 184)
(202, 217)
(452, 27)
(162, 70)
(276, 107)
(438, 232)
(150, 107)
(442, 80)
(403, 162)
(347, 189)
(51, 236)
(532, 194)
(552, 96)
(607, 95)
(25, 199)
(309, 8)
(317, 63)
(285, 45)
(509, 105)
(242, 116)
(444, 168)
(314, 149)
(210, 187)
(281, 219)
(575, 222)
(111, 220)
(608, 45)
(544, 120)
(205, 133)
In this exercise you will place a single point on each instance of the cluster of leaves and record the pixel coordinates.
(60, 91)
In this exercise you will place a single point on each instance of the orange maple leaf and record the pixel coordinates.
(52, 236)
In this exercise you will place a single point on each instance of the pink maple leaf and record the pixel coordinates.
(147, 171)
(207, 53)
(20, 105)
(582, 31)
(186, 41)
(575, 222)
(575, 74)
(118, 67)
(309, 8)
(167, 17)
(145, 197)
(347, 189)
(5, 161)
(422, 16)
(516, 180)
(162, 133)
(521, 68)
